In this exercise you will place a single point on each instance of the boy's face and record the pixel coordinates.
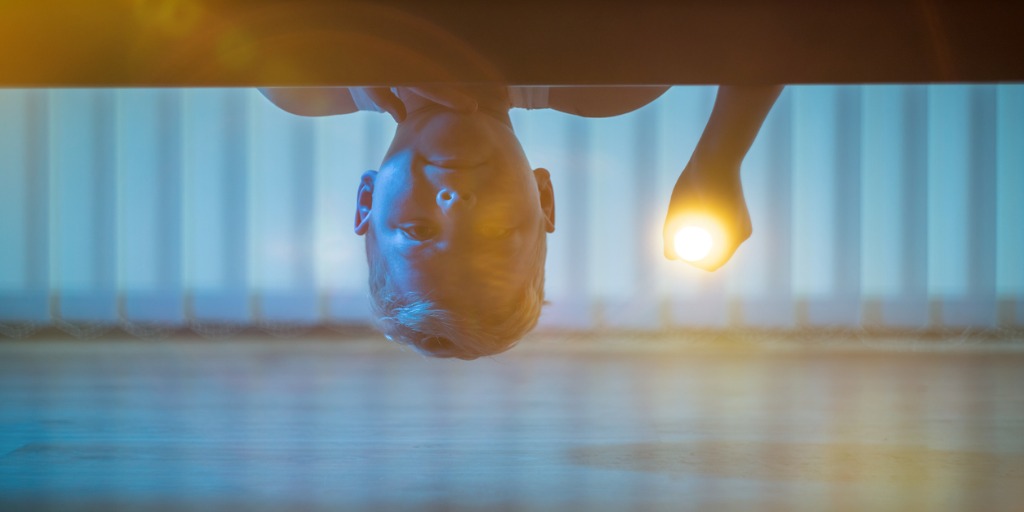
(455, 210)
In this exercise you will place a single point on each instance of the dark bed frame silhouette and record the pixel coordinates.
(277, 42)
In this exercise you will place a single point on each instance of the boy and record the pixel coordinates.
(455, 220)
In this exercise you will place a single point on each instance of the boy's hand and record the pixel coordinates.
(383, 98)
(711, 199)
(445, 95)
(392, 103)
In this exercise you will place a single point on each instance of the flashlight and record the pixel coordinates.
(693, 243)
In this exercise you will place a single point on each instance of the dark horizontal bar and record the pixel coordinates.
(556, 42)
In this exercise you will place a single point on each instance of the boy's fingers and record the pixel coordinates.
(447, 96)
(385, 99)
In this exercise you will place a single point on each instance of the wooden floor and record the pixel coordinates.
(556, 424)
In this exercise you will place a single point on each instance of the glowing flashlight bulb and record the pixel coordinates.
(693, 243)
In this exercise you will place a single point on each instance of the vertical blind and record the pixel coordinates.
(873, 206)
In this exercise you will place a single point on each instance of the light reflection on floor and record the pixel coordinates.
(555, 425)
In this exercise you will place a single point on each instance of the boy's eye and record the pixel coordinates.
(418, 231)
(496, 232)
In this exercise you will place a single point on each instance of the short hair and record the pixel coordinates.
(419, 320)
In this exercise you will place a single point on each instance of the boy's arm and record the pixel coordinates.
(332, 101)
(735, 120)
(709, 187)
(312, 101)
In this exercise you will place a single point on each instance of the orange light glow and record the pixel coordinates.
(693, 243)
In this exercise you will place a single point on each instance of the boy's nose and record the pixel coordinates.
(448, 198)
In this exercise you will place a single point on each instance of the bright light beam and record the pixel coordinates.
(693, 243)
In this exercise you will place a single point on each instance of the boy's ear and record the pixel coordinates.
(547, 197)
(364, 201)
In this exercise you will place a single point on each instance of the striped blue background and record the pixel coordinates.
(881, 206)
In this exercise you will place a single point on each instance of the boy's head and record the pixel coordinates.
(455, 224)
